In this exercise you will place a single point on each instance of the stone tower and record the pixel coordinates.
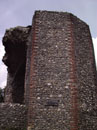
(61, 78)
(52, 73)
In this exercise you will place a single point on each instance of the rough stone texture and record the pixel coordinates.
(52, 65)
(62, 90)
(15, 42)
(85, 75)
(28, 63)
(13, 116)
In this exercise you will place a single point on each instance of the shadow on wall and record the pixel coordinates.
(13, 111)
(15, 42)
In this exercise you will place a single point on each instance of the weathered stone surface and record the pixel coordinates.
(13, 116)
(15, 42)
(85, 75)
(62, 87)
(55, 61)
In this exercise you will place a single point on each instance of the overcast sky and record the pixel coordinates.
(19, 12)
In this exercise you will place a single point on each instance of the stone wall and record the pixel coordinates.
(49, 73)
(85, 75)
(15, 42)
(51, 68)
(62, 89)
(13, 116)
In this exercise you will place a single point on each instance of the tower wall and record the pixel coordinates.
(85, 75)
(62, 90)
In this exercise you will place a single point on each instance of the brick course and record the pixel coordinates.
(58, 85)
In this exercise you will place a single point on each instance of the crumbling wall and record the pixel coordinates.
(15, 42)
(60, 82)
(62, 87)
(13, 116)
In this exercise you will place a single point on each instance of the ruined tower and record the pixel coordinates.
(58, 82)
(62, 89)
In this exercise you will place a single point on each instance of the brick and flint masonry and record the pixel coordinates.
(53, 74)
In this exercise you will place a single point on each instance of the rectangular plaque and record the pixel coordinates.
(53, 103)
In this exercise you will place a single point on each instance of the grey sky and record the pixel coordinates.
(20, 12)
